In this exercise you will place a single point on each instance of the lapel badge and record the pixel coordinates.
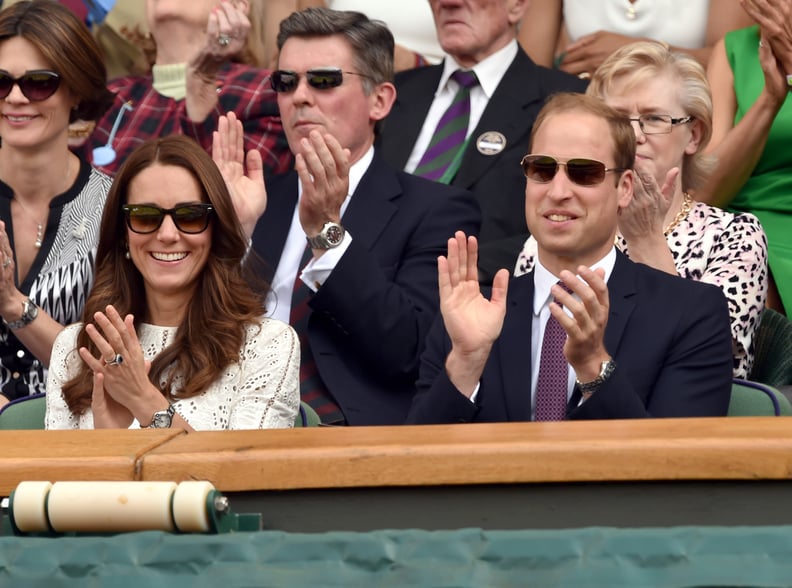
(491, 143)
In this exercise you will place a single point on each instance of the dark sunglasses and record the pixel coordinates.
(35, 85)
(284, 80)
(147, 218)
(583, 172)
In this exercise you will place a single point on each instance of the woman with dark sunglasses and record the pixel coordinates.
(667, 98)
(51, 73)
(173, 333)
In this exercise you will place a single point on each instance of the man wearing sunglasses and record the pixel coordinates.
(363, 294)
(478, 36)
(588, 334)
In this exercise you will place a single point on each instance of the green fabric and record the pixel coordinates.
(592, 557)
(768, 192)
(773, 350)
(311, 418)
(747, 401)
(28, 414)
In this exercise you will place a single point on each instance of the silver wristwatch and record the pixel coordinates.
(162, 419)
(330, 236)
(606, 369)
(29, 314)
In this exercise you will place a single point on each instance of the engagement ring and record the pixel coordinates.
(223, 40)
(117, 360)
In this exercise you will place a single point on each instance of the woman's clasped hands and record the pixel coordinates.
(121, 388)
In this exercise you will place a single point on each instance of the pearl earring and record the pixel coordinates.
(127, 255)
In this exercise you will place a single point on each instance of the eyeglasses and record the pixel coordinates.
(147, 218)
(284, 80)
(583, 172)
(35, 85)
(659, 124)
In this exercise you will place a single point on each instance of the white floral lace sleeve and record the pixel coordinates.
(64, 362)
(260, 391)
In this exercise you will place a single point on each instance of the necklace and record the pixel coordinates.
(39, 226)
(631, 13)
(687, 204)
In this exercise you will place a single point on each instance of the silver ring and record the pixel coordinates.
(7, 262)
(117, 360)
(223, 40)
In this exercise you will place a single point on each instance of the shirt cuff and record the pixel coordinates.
(318, 270)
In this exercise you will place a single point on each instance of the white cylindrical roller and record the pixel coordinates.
(103, 507)
(190, 509)
(29, 507)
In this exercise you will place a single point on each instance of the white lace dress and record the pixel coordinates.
(260, 391)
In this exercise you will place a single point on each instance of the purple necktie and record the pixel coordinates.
(552, 382)
(450, 132)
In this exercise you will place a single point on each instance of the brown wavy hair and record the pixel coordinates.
(69, 48)
(227, 298)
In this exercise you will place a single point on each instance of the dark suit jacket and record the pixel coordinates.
(370, 318)
(670, 338)
(496, 180)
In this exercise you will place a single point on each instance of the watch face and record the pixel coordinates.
(334, 234)
(161, 420)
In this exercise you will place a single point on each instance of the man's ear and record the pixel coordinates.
(625, 187)
(382, 99)
(516, 10)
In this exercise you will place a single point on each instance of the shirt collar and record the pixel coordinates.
(489, 71)
(544, 280)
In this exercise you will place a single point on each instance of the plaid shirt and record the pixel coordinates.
(242, 89)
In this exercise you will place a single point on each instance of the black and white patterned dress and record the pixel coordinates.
(61, 275)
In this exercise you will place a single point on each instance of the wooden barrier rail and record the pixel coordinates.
(519, 475)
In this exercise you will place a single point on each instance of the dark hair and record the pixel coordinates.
(224, 303)
(371, 41)
(621, 131)
(67, 44)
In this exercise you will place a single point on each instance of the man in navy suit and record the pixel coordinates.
(369, 277)
(478, 35)
(636, 342)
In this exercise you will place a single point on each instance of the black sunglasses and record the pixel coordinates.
(35, 85)
(324, 78)
(147, 218)
(583, 172)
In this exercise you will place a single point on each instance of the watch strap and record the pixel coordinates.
(29, 314)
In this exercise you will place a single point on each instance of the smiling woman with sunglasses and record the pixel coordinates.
(51, 73)
(173, 332)
(666, 97)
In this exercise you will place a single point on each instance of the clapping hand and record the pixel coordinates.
(243, 172)
(472, 322)
(122, 390)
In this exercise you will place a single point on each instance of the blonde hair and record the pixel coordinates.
(639, 62)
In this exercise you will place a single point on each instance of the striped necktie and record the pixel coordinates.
(312, 388)
(449, 135)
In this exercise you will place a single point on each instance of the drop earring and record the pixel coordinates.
(127, 255)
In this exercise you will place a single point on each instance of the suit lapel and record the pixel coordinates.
(404, 123)
(621, 291)
(515, 348)
(372, 206)
(505, 114)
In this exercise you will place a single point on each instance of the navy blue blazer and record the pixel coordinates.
(369, 320)
(496, 179)
(670, 338)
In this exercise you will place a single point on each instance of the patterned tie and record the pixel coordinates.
(551, 384)
(312, 389)
(450, 132)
